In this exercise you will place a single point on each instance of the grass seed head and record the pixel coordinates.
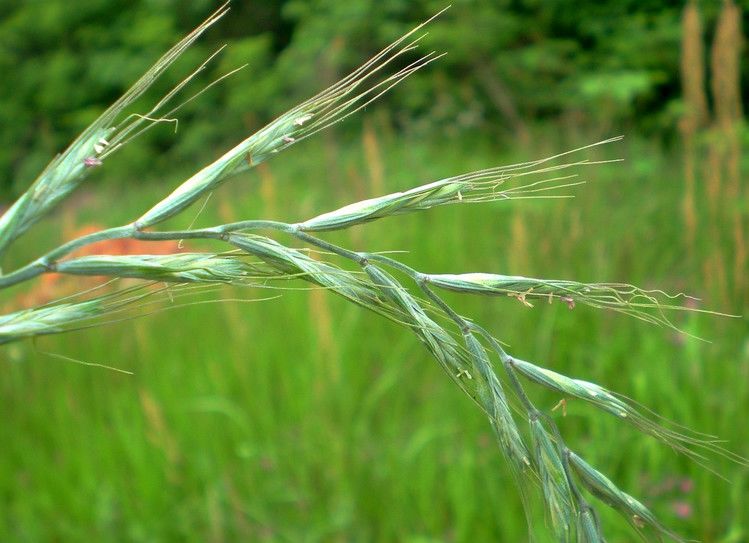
(560, 502)
(647, 305)
(182, 267)
(497, 407)
(634, 511)
(58, 180)
(691, 444)
(44, 320)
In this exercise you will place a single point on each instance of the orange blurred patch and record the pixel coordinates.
(126, 246)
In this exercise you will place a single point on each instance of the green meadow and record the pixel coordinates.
(269, 414)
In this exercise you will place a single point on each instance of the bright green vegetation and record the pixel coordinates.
(510, 63)
(308, 419)
(551, 441)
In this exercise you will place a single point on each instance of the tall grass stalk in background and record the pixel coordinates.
(695, 111)
(725, 151)
(254, 253)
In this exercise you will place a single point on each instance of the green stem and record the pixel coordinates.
(46, 263)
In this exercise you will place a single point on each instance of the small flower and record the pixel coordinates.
(92, 162)
(681, 509)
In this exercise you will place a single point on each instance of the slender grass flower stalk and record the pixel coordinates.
(409, 297)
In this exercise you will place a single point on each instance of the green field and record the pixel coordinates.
(304, 418)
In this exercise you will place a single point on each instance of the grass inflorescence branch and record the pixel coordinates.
(468, 353)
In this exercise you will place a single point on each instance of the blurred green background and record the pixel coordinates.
(305, 419)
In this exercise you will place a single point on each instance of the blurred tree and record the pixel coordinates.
(604, 63)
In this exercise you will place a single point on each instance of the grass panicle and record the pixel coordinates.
(536, 455)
